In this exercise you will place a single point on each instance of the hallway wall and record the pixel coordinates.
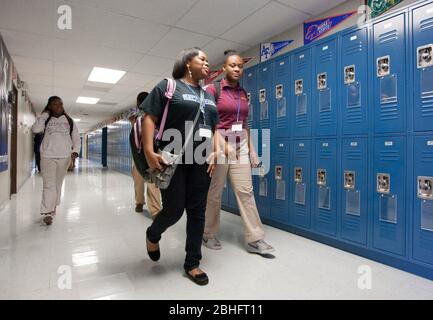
(26, 117)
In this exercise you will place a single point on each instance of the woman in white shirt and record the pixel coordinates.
(60, 144)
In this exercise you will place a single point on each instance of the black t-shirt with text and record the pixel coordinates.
(183, 107)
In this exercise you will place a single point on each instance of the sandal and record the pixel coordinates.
(201, 279)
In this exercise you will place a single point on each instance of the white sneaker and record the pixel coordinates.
(260, 247)
(212, 243)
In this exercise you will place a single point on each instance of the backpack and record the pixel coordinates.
(135, 142)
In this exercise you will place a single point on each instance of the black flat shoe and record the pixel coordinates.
(154, 255)
(201, 279)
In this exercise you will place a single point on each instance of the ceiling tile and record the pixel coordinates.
(215, 17)
(135, 79)
(215, 50)
(30, 65)
(112, 30)
(28, 45)
(73, 53)
(36, 16)
(274, 18)
(72, 70)
(311, 6)
(176, 40)
(161, 11)
(150, 65)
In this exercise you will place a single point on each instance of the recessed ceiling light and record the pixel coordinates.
(105, 75)
(87, 100)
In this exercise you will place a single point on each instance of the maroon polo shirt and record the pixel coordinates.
(227, 105)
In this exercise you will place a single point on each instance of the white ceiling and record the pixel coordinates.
(141, 37)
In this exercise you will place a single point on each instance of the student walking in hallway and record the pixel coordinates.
(60, 144)
(238, 155)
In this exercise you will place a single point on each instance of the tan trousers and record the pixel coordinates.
(241, 181)
(152, 192)
(53, 174)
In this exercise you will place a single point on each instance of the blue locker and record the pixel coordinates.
(389, 76)
(353, 187)
(281, 95)
(280, 180)
(300, 213)
(265, 94)
(325, 187)
(422, 64)
(301, 84)
(389, 176)
(249, 83)
(354, 82)
(423, 204)
(263, 187)
(325, 105)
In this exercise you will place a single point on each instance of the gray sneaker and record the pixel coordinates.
(212, 243)
(260, 247)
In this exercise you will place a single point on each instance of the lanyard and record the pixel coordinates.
(239, 103)
(202, 102)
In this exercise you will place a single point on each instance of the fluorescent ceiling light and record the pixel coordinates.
(87, 100)
(76, 120)
(105, 75)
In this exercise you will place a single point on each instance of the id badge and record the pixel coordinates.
(237, 127)
(205, 132)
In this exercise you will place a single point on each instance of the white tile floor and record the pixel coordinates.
(99, 238)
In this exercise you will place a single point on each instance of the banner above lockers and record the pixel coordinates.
(379, 7)
(316, 29)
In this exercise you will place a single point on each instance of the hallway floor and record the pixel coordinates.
(100, 240)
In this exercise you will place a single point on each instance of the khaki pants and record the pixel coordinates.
(152, 192)
(241, 181)
(53, 174)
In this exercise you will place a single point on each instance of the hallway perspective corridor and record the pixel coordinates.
(99, 238)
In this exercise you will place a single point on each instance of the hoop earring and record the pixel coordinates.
(190, 73)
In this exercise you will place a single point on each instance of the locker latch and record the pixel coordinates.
(425, 56)
(321, 177)
(425, 188)
(299, 87)
(298, 175)
(383, 66)
(349, 180)
(262, 171)
(278, 173)
(249, 98)
(349, 74)
(262, 95)
(383, 183)
(322, 81)
(279, 91)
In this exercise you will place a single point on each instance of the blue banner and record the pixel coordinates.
(316, 29)
(269, 49)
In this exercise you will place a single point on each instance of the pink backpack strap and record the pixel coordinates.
(137, 133)
(169, 92)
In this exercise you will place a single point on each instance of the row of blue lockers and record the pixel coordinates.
(119, 155)
(374, 79)
(110, 147)
(94, 146)
(375, 193)
(351, 139)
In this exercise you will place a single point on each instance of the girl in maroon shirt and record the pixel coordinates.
(236, 155)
